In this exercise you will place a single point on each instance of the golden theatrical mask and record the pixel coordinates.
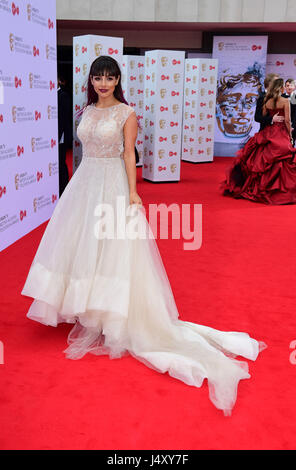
(98, 49)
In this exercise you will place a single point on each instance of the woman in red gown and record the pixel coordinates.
(265, 168)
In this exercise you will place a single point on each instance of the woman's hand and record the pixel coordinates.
(135, 199)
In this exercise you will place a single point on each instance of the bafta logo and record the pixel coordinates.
(33, 141)
(161, 153)
(152, 108)
(47, 51)
(173, 167)
(141, 104)
(153, 77)
(187, 67)
(200, 140)
(50, 168)
(177, 77)
(132, 91)
(193, 103)
(162, 123)
(147, 92)
(17, 181)
(35, 204)
(174, 138)
(11, 42)
(212, 80)
(202, 92)
(185, 139)
(13, 112)
(164, 61)
(141, 78)
(76, 49)
(203, 67)
(175, 108)
(145, 151)
(98, 49)
(186, 115)
(150, 167)
(201, 116)
(221, 46)
(186, 91)
(163, 92)
(132, 64)
(31, 78)
(84, 69)
(147, 61)
(29, 12)
(210, 127)
(49, 111)
(209, 151)
(211, 104)
(191, 151)
(194, 79)
(151, 138)
(192, 127)
(76, 88)
(146, 122)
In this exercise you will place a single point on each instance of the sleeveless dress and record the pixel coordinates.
(264, 170)
(116, 291)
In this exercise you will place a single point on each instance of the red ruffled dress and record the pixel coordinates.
(264, 170)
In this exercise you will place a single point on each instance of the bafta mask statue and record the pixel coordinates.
(236, 103)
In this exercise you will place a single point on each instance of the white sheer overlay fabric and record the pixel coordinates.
(116, 290)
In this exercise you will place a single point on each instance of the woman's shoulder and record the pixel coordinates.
(127, 108)
(127, 111)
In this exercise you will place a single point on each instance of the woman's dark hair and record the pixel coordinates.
(104, 65)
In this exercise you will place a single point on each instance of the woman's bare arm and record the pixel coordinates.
(130, 131)
(288, 116)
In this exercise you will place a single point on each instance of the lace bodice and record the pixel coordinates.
(101, 130)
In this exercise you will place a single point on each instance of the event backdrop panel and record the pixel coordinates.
(199, 110)
(86, 49)
(163, 108)
(241, 73)
(133, 68)
(28, 117)
(282, 64)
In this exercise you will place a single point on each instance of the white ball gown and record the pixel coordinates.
(116, 291)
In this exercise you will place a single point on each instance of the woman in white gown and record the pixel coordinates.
(115, 289)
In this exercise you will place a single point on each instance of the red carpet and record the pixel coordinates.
(243, 279)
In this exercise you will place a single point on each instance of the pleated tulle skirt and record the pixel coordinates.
(113, 287)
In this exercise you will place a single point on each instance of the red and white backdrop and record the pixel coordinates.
(199, 110)
(163, 102)
(282, 64)
(28, 117)
(85, 50)
(133, 68)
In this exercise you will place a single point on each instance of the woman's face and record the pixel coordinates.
(104, 85)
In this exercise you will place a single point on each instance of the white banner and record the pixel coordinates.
(133, 67)
(282, 64)
(164, 81)
(28, 117)
(242, 63)
(85, 50)
(199, 110)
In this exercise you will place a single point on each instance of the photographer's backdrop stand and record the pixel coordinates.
(29, 185)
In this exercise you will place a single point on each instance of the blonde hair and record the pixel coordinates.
(274, 92)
